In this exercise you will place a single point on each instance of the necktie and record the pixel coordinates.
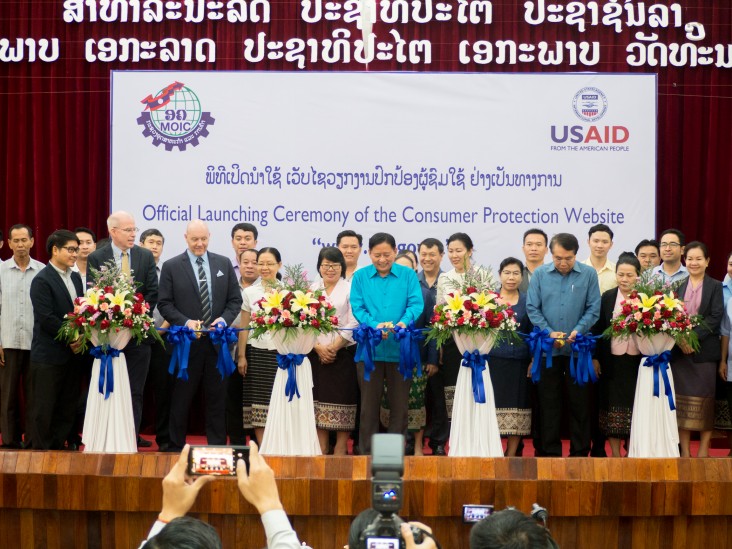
(203, 292)
(125, 263)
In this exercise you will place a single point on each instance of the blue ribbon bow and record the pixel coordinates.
(106, 373)
(583, 345)
(289, 362)
(222, 337)
(539, 342)
(476, 362)
(367, 338)
(661, 363)
(180, 338)
(410, 350)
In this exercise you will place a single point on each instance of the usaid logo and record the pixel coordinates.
(589, 104)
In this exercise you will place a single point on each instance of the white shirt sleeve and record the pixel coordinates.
(280, 534)
(154, 531)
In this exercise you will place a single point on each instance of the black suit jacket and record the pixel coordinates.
(142, 264)
(711, 309)
(51, 301)
(179, 296)
(607, 305)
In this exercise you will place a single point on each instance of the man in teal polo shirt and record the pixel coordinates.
(384, 295)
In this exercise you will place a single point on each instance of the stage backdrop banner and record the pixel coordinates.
(304, 156)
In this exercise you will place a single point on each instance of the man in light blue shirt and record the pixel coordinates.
(671, 270)
(384, 295)
(563, 298)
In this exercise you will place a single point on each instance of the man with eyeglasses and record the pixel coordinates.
(16, 332)
(140, 262)
(564, 299)
(54, 368)
(672, 248)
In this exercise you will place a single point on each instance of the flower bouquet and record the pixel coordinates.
(295, 315)
(474, 316)
(656, 318)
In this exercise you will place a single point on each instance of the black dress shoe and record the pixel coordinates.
(142, 443)
(163, 447)
(409, 449)
(439, 450)
(72, 447)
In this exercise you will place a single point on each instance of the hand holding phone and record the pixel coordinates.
(216, 460)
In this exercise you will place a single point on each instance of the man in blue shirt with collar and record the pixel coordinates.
(563, 298)
(384, 295)
(672, 249)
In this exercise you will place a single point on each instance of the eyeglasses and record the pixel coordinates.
(329, 267)
(270, 265)
(670, 245)
(128, 230)
(71, 249)
(511, 273)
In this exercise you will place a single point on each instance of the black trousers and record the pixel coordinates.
(138, 364)
(14, 378)
(439, 425)
(555, 382)
(201, 371)
(234, 409)
(162, 385)
(55, 394)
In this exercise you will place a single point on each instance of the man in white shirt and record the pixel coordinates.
(535, 248)
(350, 244)
(672, 248)
(600, 241)
(243, 237)
(16, 332)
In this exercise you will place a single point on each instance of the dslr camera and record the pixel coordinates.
(387, 468)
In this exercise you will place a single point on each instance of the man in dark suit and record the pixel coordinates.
(54, 368)
(141, 263)
(199, 289)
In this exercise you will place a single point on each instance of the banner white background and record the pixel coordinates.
(416, 155)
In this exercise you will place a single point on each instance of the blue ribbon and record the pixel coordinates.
(583, 345)
(367, 338)
(661, 363)
(289, 362)
(476, 362)
(539, 342)
(410, 350)
(222, 337)
(106, 373)
(180, 338)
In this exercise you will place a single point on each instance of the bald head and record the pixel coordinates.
(197, 235)
(122, 230)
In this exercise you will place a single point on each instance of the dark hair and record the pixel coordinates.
(241, 253)
(600, 228)
(102, 242)
(407, 255)
(627, 258)
(247, 228)
(646, 242)
(509, 529)
(331, 253)
(566, 240)
(359, 524)
(677, 232)
(461, 237)
(150, 232)
(697, 245)
(511, 261)
(431, 243)
(346, 234)
(19, 227)
(59, 239)
(272, 251)
(381, 238)
(185, 533)
(536, 231)
(1, 234)
(88, 231)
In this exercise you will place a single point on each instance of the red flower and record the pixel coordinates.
(472, 290)
(92, 323)
(139, 296)
(617, 328)
(334, 320)
(116, 308)
(658, 292)
(633, 326)
(260, 320)
(461, 321)
(287, 322)
(657, 324)
(509, 313)
(108, 290)
(647, 321)
(321, 298)
(104, 324)
(275, 311)
(467, 304)
(79, 320)
(137, 309)
(315, 323)
(127, 323)
(666, 313)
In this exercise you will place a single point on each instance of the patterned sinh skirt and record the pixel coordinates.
(258, 383)
(619, 378)
(335, 392)
(694, 383)
(511, 393)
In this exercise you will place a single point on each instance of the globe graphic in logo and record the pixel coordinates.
(180, 116)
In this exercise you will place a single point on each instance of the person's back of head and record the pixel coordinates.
(510, 529)
(185, 533)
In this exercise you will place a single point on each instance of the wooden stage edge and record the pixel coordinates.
(63, 499)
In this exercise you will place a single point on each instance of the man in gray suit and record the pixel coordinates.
(199, 289)
(141, 263)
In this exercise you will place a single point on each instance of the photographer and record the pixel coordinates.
(365, 518)
(174, 530)
(510, 529)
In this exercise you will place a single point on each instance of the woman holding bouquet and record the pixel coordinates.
(335, 384)
(694, 371)
(617, 359)
(257, 356)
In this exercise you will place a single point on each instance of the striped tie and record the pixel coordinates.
(125, 263)
(203, 291)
